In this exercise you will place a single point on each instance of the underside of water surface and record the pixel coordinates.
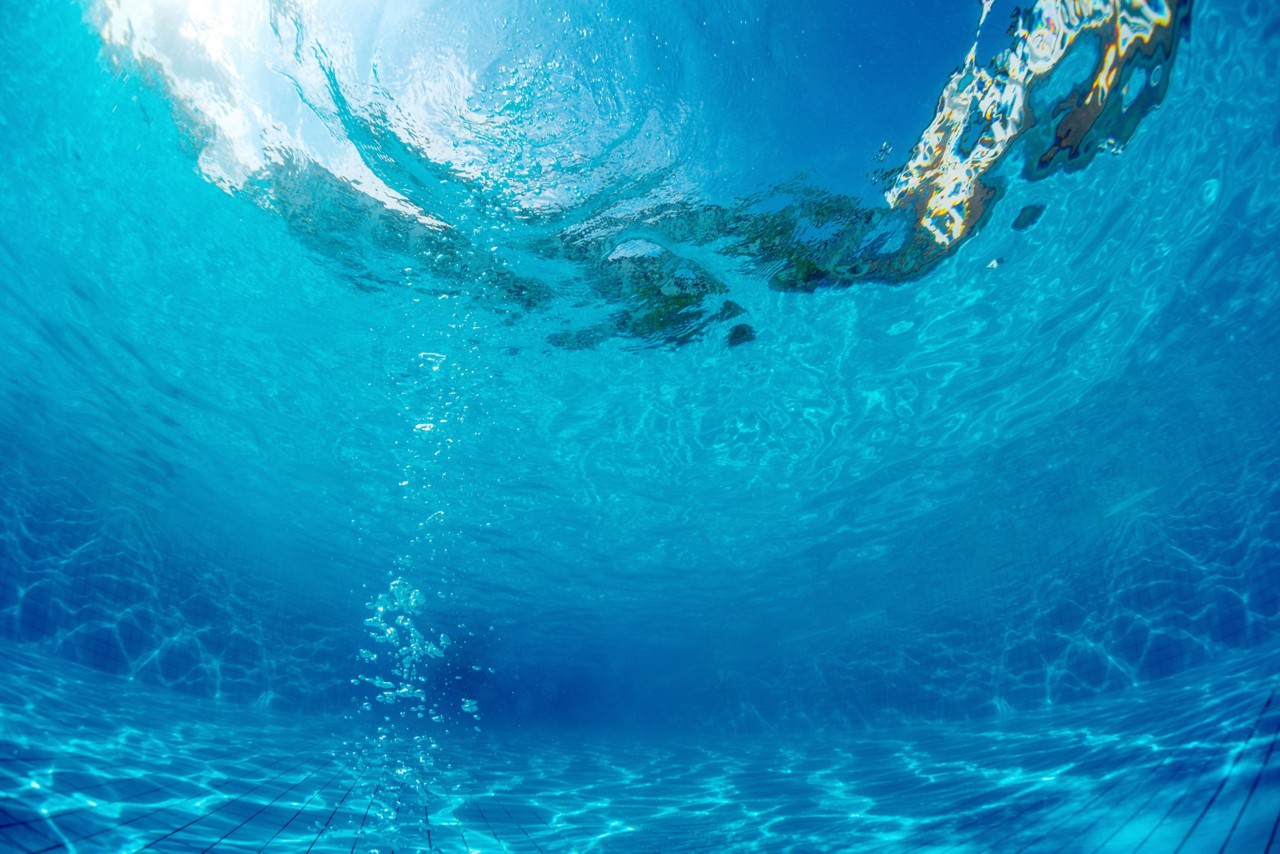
(727, 425)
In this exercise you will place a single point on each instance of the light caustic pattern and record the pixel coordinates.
(969, 501)
(1176, 767)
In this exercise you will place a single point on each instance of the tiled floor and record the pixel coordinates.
(87, 764)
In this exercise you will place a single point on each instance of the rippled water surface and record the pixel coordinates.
(639, 426)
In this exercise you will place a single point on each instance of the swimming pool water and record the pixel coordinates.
(510, 426)
(1176, 767)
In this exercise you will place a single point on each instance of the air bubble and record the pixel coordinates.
(1211, 190)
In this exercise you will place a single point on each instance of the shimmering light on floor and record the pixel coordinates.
(1187, 765)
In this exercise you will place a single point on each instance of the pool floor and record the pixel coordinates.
(90, 763)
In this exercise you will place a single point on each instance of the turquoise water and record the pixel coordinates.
(1179, 767)
(611, 426)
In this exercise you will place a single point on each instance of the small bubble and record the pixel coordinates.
(1211, 190)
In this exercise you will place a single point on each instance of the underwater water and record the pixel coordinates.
(616, 426)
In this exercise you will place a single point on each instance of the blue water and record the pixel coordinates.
(513, 426)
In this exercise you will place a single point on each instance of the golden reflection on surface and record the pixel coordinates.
(982, 110)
